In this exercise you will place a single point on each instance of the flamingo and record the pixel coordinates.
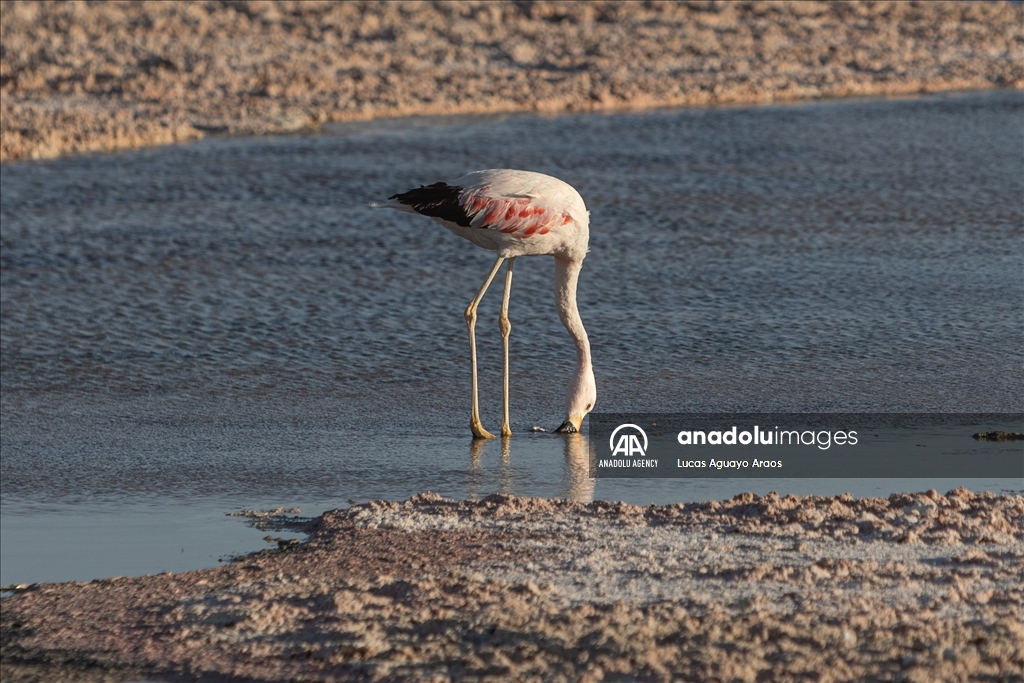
(517, 213)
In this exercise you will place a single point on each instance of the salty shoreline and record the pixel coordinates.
(100, 77)
(913, 587)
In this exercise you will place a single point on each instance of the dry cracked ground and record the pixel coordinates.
(916, 587)
(78, 76)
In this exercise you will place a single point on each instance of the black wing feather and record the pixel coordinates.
(439, 200)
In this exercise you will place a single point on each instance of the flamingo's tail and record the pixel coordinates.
(392, 204)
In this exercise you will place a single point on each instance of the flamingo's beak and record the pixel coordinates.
(571, 425)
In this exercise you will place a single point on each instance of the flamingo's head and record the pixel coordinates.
(580, 400)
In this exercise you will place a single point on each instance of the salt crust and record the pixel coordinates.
(913, 587)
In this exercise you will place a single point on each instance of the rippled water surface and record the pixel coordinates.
(193, 329)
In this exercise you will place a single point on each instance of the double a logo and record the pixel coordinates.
(628, 444)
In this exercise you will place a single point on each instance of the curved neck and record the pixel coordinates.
(567, 273)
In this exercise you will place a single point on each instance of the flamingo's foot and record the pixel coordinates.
(478, 430)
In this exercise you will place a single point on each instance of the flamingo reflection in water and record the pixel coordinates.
(577, 484)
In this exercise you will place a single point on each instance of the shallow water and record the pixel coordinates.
(194, 329)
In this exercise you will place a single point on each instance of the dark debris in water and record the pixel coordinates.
(999, 436)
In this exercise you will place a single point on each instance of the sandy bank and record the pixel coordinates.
(916, 587)
(77, 77)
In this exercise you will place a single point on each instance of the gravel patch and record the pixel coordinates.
(78, 77)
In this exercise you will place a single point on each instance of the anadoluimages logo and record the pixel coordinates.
(628, 443)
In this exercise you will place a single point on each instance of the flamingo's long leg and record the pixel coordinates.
(474, 416)
(506, 329)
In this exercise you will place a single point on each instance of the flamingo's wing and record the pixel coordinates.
(517, 215)
(517, 203)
